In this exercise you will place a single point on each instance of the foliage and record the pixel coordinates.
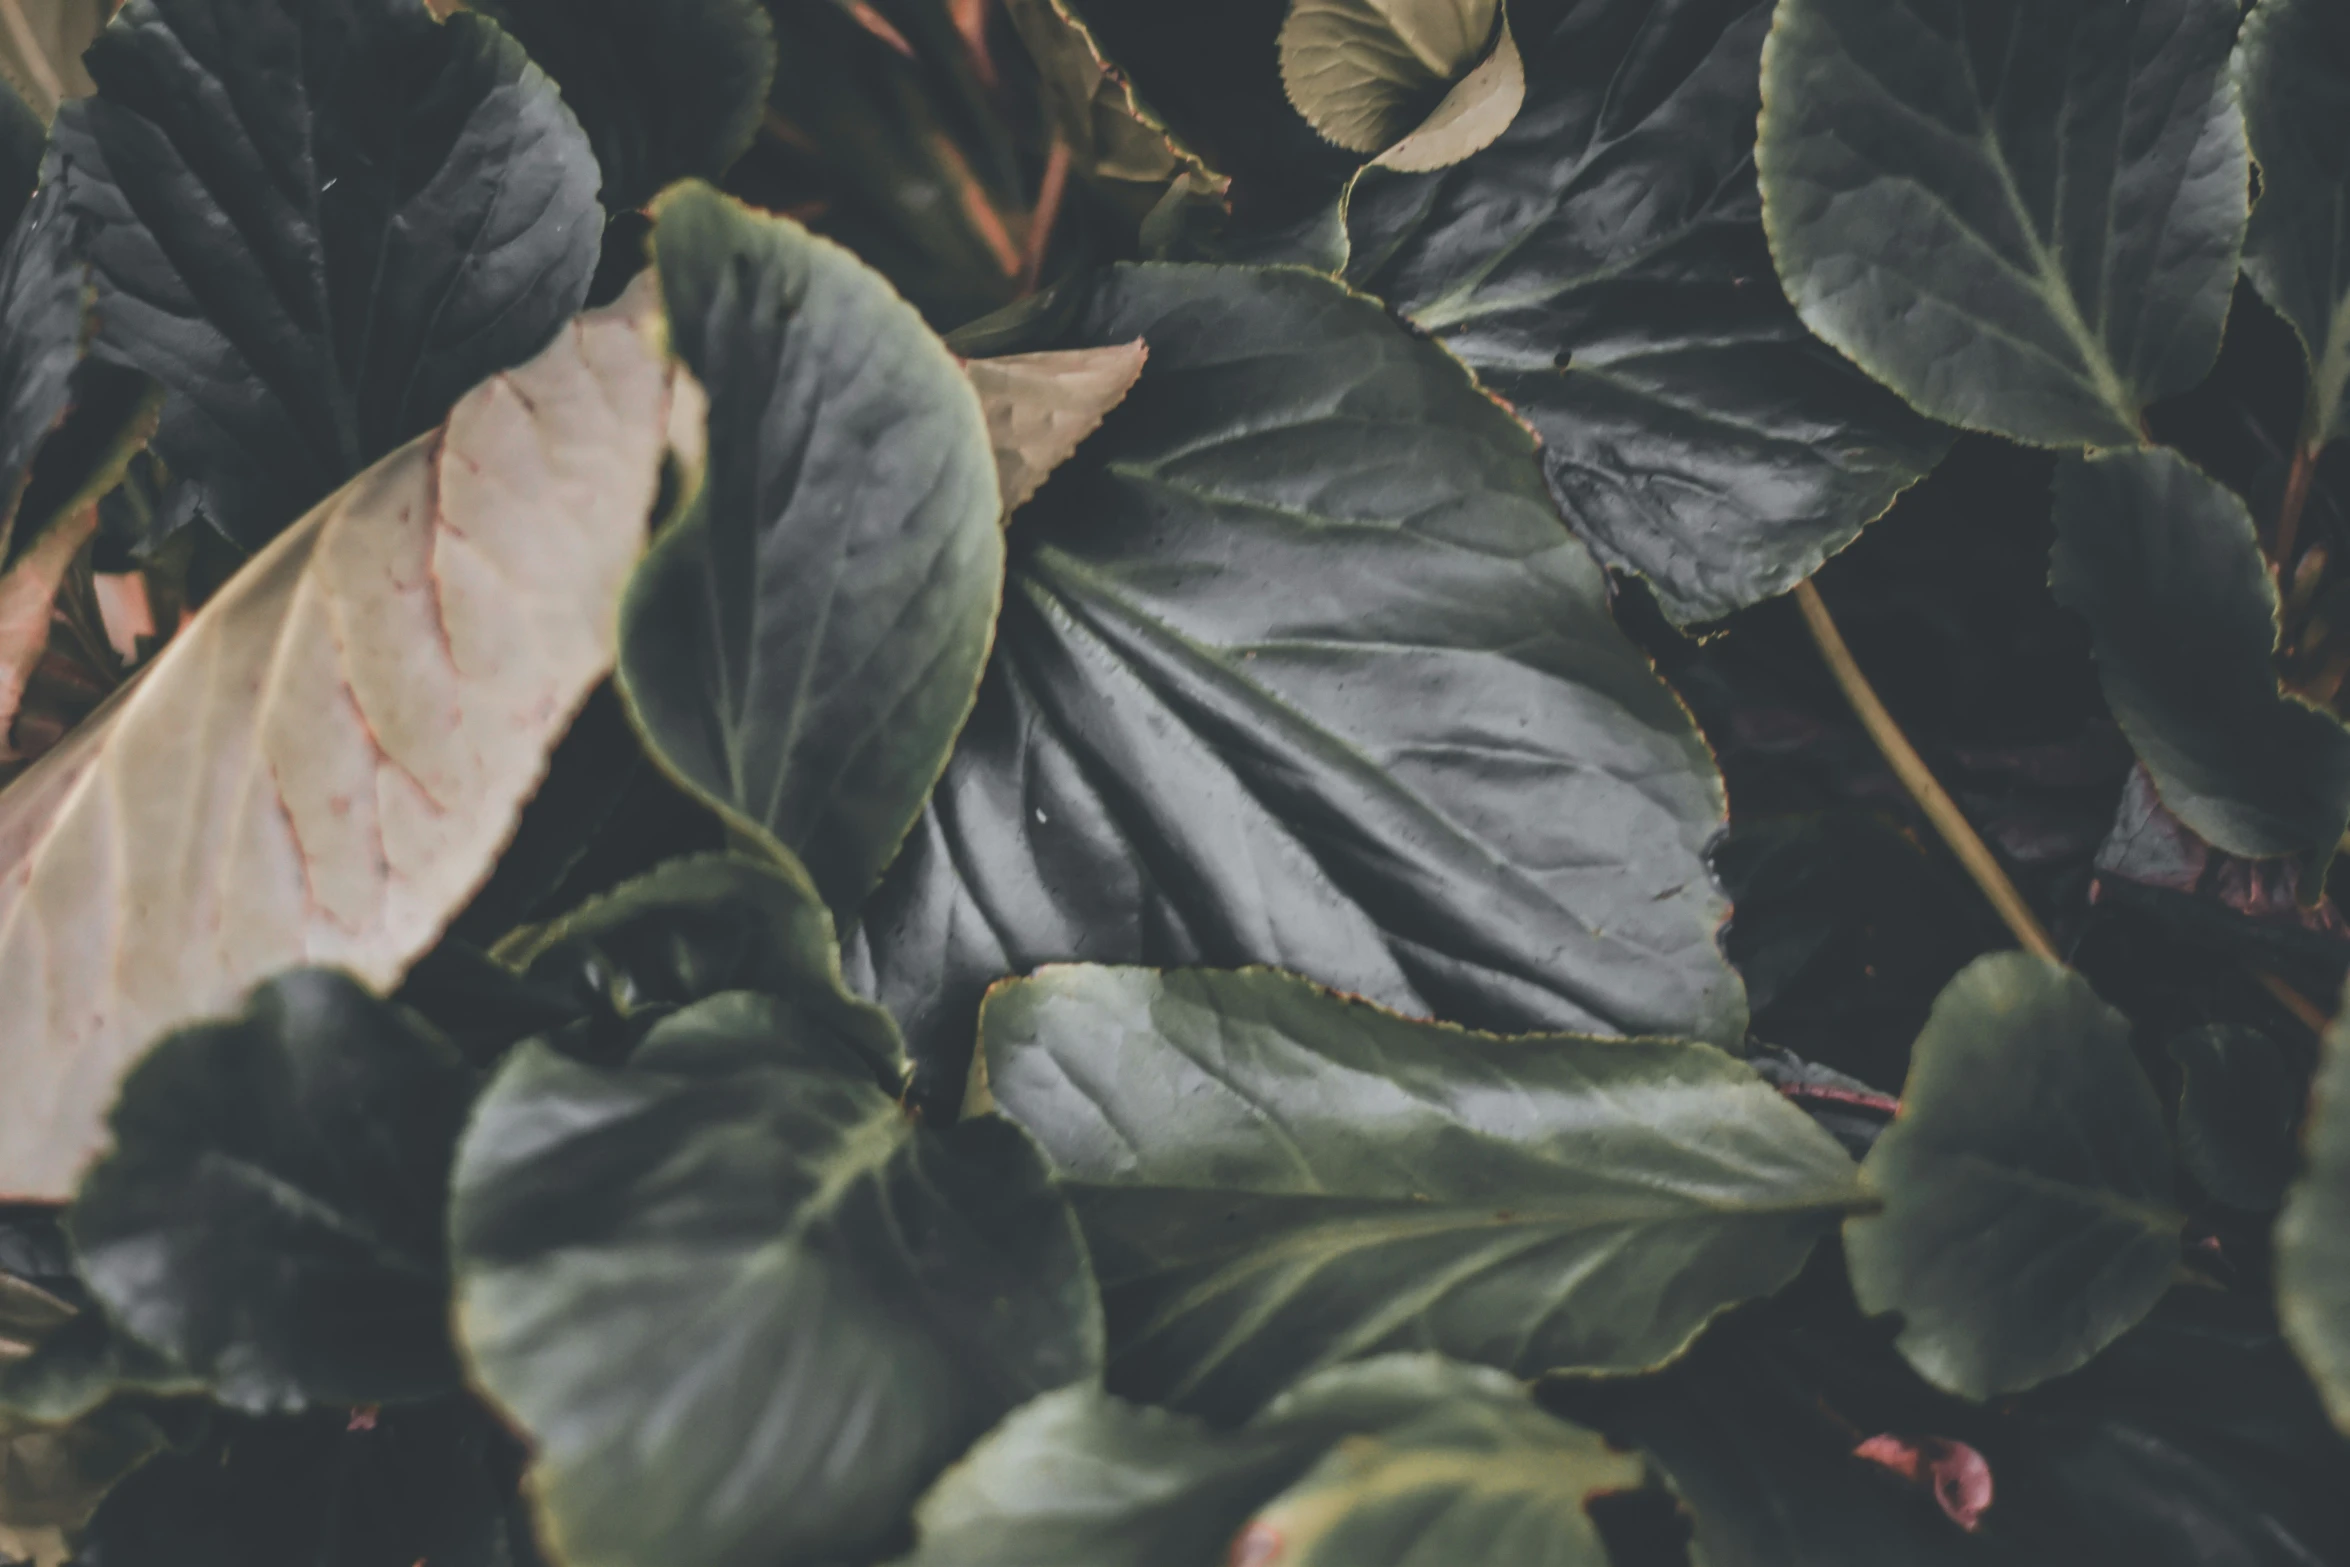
(811, 783)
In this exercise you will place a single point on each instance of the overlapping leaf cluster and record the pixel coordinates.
(649, 914)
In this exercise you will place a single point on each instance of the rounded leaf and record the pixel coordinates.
(2313, 1232)
(1368, 74)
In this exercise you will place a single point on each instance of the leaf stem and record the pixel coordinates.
(1919, 779)
(2297, 481)
(1048, 211)
(2304, 1010)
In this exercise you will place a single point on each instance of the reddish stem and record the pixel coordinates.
(2297, 482)
(1048, 210)
(1829, 1094)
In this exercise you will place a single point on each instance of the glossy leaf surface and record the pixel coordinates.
(803, 646)
(318, 222)
(1287, 648)
(1424, 83)
(1274, 1179)
(271, 1212)
(2164, 563)
(2023, 218)
(2027, 1184)
(1602, 266)
(745, 1309)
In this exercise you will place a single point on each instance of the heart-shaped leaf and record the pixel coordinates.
(1274, 1179)
(1371, 75)
(1041, 407)
(348, 730)
(744, 1306)
(2028, 1203)
(1288, 646)
(2022, 218)
(2313, 1232)
(1404, 1460)
(1602, 266)
(803, 646)
(318, 222)
(2293, 70)
(666, 89)
(2237, 1104)
(271, 1211)
(2163, 562)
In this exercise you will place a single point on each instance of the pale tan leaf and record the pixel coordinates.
(1475, 113)
(1041, 407)
(28, 594)
(322, 766)
(1094, 110)
(1365, 73)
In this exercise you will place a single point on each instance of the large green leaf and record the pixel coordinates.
(2293, 71)
(1297, 666)
(318, 222)
(271, 1211)
(2027, 1184)
(2023, 218)
(2163, 562)
(666, 89)
(1404, 1462)
(804, 645)
(1602, 266)
(1274, 1179)
(744, 1307)
(2313, 1232)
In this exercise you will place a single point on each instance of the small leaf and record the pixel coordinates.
(666, 89)
(82, 1364)
(318, 222)
(321, 767)
(1602, 267)
(1041, 407)
(1274, 1179)
(2163, 562)
(24, 139)
(1287, 647)
(803, 647)
(2292, 68)
(270, 1214)
(2237, 1106)
(745, 1308)
(1369, 73)
(1470, 117)
(1094, 108)
(2313, 1232)
(54, 1477)
(2028, 1205)
(2022, 218)
(1407, 1459)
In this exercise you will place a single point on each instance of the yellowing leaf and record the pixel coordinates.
(321, 767)
(1040, 407)
(1373, 74)
(28, 594)
(1471, 116)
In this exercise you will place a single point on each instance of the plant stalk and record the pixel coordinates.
(2304, 1010)
(1919, 779)
(2297, 480)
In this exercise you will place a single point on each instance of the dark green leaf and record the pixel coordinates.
(1406, 1460)
(2023, 218)
(2164, 564)
(804, 645)
(24, 138)
(693, 929)
(43, 329)
(1287, 650)
(2237, 1106)
(666, 89)
(2313, 1233)
(1602, 266)
(318, 222)
(2293, 71)
(432, 1484)
(744, 1306)
(2028, 1216)
(82, 1364)
(270, 1213)
(1274, 1179)
(1422, 83)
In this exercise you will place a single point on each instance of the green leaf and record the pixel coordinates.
(2028, 1204)
(1274, 1179)
(83, 1363)
(270, 1213)
(1602, 266)
(2163, 562)
(2237, 1105)
(1287, 649)
(318, 222)
(54, 1477)
(24, 141)
(2292, 69)
(666, 89)
(1407, 1459)
(803, 646)
(744, 1307)
(1372, 75)
(694, 928)
(2313, 1232)
(2022, 218)
(43, 330)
